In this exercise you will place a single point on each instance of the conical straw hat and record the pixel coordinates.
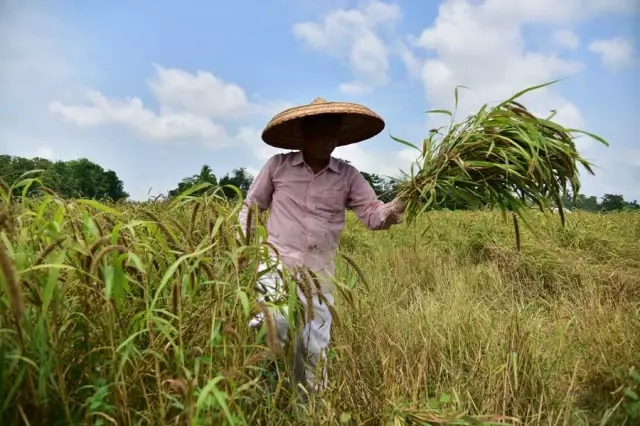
(359, 123)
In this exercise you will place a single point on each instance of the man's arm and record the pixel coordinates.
(372, 212)
(260, 193)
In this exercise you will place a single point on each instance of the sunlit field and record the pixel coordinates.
(136, 314)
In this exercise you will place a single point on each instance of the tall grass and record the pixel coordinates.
(136, 314)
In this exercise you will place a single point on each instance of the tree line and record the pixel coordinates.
(72, 179)
(84, 179)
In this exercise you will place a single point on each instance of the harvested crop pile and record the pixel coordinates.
(503, 156)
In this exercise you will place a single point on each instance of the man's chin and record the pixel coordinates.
(328, 155)
(322, 157)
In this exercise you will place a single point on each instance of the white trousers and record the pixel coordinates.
(311, 342)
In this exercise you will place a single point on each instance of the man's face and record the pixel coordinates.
(320, 136)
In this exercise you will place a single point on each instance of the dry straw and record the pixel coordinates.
(8, 270)
(502, 156)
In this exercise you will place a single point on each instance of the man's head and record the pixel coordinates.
(319, 133)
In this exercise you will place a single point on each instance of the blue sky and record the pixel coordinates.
(154, 90)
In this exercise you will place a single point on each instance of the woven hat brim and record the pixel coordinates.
(359, 123)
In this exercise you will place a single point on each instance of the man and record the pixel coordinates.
(307, 192)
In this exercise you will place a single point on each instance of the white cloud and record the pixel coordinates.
(615, 173)
(46, 152)
(478, 44)
(250, 137)
(411, 62)
(39, 57)
(615, 53)
(536, 11)
(471, 44)
(146, 123)
(634, 157)
(355, 89)
(355, 35)
(201, 93)
(566, 38)
(188, 102)
(381, 162)
(205, 94)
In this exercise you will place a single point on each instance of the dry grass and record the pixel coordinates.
(546, 335)
(130, 314)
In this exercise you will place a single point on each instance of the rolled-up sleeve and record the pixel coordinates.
(260, 192)
(373, 213)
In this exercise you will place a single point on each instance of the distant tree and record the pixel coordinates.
(633, 205)
(239, 178)
(612, 202)
(89, 180)
(382, 186)
(72, 179)
(12, 168)
(587, 203)
(205, 176)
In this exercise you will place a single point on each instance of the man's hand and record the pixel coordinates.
(398, 205)
(394, 211)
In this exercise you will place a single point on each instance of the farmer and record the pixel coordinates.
(307, 192)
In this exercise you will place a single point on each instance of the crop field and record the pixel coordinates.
(136, 314)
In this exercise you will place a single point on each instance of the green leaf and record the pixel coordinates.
(107, 272)
(433, 403)
(527, 90)
(99, 206)
(31, 172)
(455, 94)
(219, 396)
(594, 136)
(172, 269)
(631, 394)
(52, 282)
(194, 188)
(440, 111)
(244, 300)
(133, 258)
(120, 282)
(345, 417)
(409, 144)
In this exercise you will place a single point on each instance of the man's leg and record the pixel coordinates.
(313, 339)
(270, 287)
(312, 344)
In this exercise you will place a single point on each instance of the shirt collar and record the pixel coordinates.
(334, 163)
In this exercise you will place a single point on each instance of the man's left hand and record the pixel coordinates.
(398, 205)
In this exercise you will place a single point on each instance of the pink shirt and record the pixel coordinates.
(307, 210)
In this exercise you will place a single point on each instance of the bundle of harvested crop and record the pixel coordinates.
(502, 156)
